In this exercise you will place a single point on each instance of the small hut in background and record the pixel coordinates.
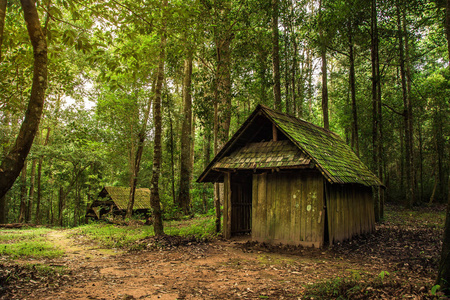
(113, 200)
(289, 181)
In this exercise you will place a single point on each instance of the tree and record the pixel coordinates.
(323, 56)
(3, 4)
(13, 162)
(443, 277)
(276, 57)
(157, 149)
(186, 139)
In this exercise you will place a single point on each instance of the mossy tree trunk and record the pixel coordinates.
(13, 162)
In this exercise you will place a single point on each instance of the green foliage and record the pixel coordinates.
(435, 289)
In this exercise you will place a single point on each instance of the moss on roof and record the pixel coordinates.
(264, 155)
(121, 196)
(321, 147)
(335, 159)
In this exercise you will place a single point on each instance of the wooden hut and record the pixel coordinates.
(113, 200)
(289, 181)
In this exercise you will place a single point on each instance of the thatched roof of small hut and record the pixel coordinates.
(121, 195)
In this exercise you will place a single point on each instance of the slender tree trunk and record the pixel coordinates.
(172, 157)
(323, 55)
(408, 111)
(443, 277)
(13, 163)
(61, 198)
(375, 98)
(184, 199)
(3, 4)
(136, 163)
(157, 147)
(355, 139)
(39, 183)
(296, 111)
(31, 192)
(406, 116)
(288, 104)
(276, 57)
(23, 194)
(206, 160)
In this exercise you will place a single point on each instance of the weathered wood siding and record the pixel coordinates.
(288, 208)
(350, 211)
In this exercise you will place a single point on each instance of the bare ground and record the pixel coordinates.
(392, 263)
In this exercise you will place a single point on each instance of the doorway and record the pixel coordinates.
(241, 204)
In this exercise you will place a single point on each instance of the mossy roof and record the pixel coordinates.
(315, 146)
(121, 196)
(264, 155)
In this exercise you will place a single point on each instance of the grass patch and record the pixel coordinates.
(200, 227)
(32, 243)
(114, 236)
(117, 236)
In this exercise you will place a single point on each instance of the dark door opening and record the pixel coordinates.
(241, 204)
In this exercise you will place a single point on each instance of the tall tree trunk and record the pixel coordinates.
(61, 200)
(13, 162)
(222, 103)
(295, 108)
(355, 139)
(443, 277)
(206, 160)
(184, 199)
(23, 194)
(406, 114)
(276, 57)
(172, 157)
(39, 183)
(375, 113)
(3, 4)
(288, 104)
(31, 191)
(157, 147)
(323, 55)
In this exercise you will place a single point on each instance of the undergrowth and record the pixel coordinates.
(27, 243)
(116, 236)
(351, 287)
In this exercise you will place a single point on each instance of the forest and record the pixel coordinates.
(144, 93)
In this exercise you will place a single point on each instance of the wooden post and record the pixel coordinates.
(227, 206)
(274, 133)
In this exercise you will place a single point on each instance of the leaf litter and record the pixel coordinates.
(396, 261)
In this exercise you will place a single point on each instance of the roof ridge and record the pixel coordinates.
(265, 107)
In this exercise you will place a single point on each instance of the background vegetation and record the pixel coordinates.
(103, 67)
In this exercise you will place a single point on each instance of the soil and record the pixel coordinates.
(391, 263)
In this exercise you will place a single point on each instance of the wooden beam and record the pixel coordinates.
(274, 133)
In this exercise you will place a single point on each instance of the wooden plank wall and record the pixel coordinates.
(350, 211)
(288, 208)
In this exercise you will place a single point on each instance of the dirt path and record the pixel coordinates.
(217, 270)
